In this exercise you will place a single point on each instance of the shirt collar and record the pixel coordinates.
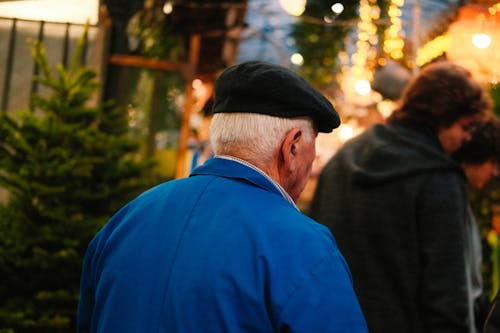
(280, 189)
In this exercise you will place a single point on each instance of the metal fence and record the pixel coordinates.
(17, 68)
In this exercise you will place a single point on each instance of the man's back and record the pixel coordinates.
(221, 262)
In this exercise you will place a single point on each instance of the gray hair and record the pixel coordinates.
(253, 136)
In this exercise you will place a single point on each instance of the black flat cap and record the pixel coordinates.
(260, 87)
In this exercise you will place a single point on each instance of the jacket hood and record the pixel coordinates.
(388, 152)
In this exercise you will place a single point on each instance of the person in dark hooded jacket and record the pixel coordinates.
(396, 202)
(480, 160)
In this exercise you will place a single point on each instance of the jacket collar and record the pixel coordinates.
(235, 168)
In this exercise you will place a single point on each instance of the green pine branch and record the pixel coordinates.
(68, 166)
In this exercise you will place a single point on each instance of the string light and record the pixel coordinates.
(168, 7)
(345, 132)
(198, 5)
(197, 84)
(432, 49)
(362, 87)
(337, 8)
(293, 7)
(494, 8)
(481, 41)
(297, 59)
(474, 41)
(393, 42)
(365, 46)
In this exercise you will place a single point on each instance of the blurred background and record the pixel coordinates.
(140, 73)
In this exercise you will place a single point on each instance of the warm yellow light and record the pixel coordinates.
(481, 41)
(432, 49)
(168, 7)
(362, 87)
(345, 132)
(363, 36)
(197, 84)
(73, 11)
(337, 8)
(393, 44)
(396, 54)
(375, 13)
(494, 9)
(297, 59)
(368, 11)
(293, 7)
(394, 11)
(386, 107)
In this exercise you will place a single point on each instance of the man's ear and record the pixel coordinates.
(289, 148)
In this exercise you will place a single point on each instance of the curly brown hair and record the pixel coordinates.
(484, 144)
(439, 95)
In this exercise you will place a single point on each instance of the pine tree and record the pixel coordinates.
(67, 167)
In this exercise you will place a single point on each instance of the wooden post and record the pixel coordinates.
(194, 53)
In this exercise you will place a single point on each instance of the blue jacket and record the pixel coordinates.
(220, 251)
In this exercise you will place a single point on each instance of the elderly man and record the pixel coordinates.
(227, 250)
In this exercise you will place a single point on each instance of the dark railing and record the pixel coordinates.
(10, 58)
(121, 63)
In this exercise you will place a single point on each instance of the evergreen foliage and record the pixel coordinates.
(320, 35)
(67, 167)
(320, 43)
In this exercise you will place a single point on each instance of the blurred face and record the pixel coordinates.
(478, 175)
(458, 133)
